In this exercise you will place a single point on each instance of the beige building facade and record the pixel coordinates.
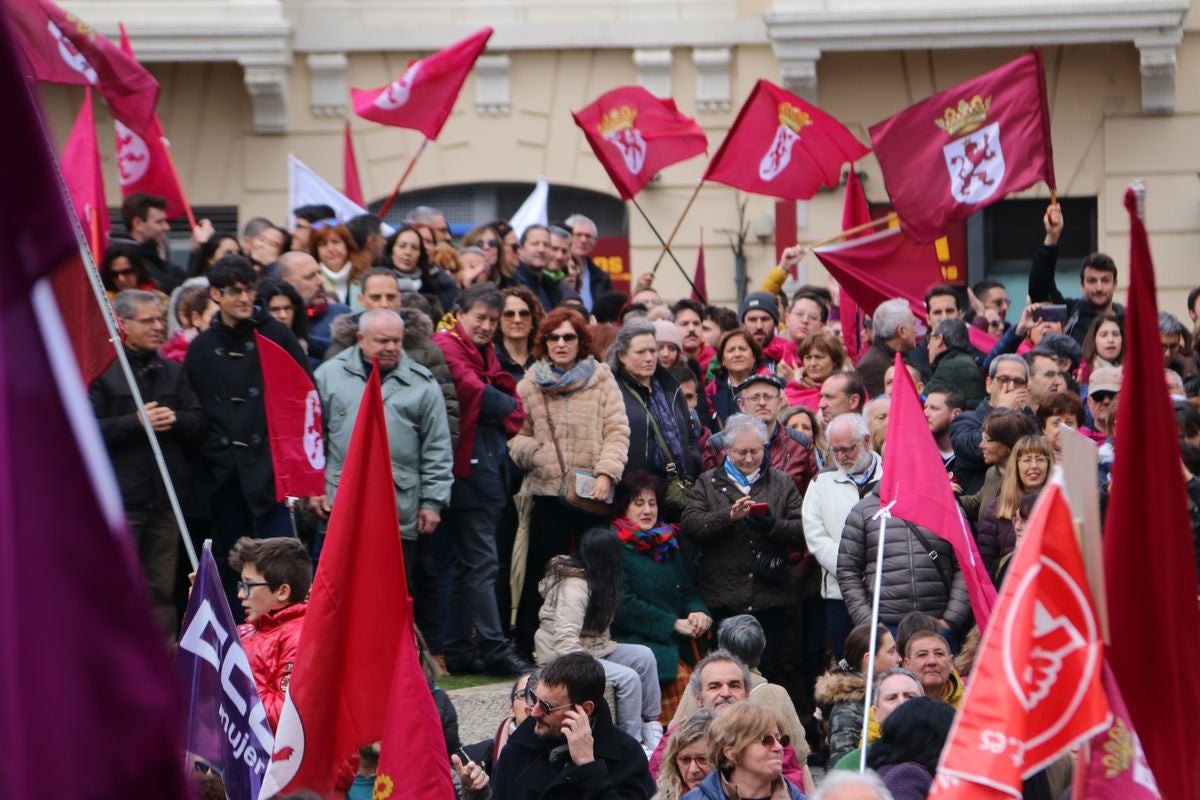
(245, 82)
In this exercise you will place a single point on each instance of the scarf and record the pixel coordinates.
(551, 380)
(862, 478)
(338, 282)
(664, 415)
(742, 482)
(659, 542)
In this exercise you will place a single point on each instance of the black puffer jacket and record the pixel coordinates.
(728, 551)
(223, 367)
(911, 579)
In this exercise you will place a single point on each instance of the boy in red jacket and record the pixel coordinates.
(276, 575)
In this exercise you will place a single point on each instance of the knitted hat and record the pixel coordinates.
(666, 332)
(760, 301)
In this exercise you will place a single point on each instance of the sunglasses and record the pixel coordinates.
(532, 700)
(488, 244)
(116, 272)
(513, 313)
(769, 740)
(563, 337)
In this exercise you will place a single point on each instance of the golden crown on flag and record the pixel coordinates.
(617, 119)
(967, 117)
(793, 117)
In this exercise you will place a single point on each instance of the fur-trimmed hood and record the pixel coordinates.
(837, 686)
(417, 328)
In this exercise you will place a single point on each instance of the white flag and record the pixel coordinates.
(533, 210)
(306, 188)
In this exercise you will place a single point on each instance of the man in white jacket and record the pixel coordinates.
(831, 496)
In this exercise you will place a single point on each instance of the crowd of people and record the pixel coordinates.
(653, 515)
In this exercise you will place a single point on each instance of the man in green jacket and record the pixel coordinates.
(949, 353)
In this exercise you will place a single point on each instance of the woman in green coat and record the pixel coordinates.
(661, 608)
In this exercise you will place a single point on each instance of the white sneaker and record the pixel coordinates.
(652, 733)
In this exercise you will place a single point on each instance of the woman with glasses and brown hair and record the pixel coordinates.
(519, 322)
(575, 439)
(1027, 471)
(745, 749)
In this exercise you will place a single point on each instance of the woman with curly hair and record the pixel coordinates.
(519, 324)
(685, 762)
(490, 240)
(405, 252)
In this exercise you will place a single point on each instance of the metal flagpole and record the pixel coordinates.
(412, 162)
(110, 322)
(666, 248)
(883, 515)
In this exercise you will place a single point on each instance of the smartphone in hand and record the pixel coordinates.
(759, 509)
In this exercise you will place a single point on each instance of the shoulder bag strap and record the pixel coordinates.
(554, 438)
(933, 555)
(672, 470)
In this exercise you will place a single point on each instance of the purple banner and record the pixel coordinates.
(227, 724)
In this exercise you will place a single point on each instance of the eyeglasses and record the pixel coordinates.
(810, 317)
(244, 587)
(562, 337)
(845, 451)
(1168, 347)
(512, 313)
(532, 700)
(488, 244)
(238, 291)
(149, 320)
(686, 761)
(325, 223)
(117, 272)
(758, 399)
(769, 740)
(1009, 380)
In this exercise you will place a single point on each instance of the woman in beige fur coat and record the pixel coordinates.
(572, 400)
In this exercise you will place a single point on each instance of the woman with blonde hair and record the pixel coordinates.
(685, 762)
(1028, 469)
(745, 749)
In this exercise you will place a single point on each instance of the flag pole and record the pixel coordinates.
(883, 515)
(866, 226)
(110, 322)
(666, 245)
(411, 163)
(678, 224)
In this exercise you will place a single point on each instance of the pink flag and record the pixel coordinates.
(1114, 767)
(90, 705)
(293, 423)
(855, 212)
(59, 47)
(423, 97)
(635, 135)
(353, 190)
(144, 162)
(76, 299)
(967, 147)
(913, 477)
(781, 146)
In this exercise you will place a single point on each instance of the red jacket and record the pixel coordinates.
(271, 645)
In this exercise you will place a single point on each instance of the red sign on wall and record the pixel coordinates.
(612, 256)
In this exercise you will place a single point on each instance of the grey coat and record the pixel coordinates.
(911, 579)
(418, 438)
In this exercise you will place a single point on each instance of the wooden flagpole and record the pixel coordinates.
(407, 170)
(667, 244)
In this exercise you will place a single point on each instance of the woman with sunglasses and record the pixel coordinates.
(489, 239)
(519, 323)
(576, 432)
(745, 745)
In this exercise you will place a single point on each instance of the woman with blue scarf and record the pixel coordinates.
(574, 423)
(744, 518)
(660, 607)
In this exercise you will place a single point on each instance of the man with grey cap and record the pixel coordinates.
(760, 318)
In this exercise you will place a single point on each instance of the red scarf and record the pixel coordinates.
(472, 371)
(658, 542)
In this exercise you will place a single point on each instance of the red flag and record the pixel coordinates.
(1114, 767)
(423, 97)
(781, 146)
(855, 212)
(635, 135)
(76, 299)
(90, 704)
(339, 691)
(1035, 689)
(353, 190)
(699, 279)
(885, 264)
(85, 183)
(1149, 565)
(293, 423)
(144, 162)
(967, 147)
(915, 479)
(59, 47)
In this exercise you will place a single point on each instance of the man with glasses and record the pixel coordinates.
(596, 280)
(306, 217)
(222, 364)
(174, 412)
(274, 576)
(789, 450)
(569, 747)
(1007, 386)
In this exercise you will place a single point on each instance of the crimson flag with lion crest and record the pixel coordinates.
(635, 134)
(967, 147)
(783, 147)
